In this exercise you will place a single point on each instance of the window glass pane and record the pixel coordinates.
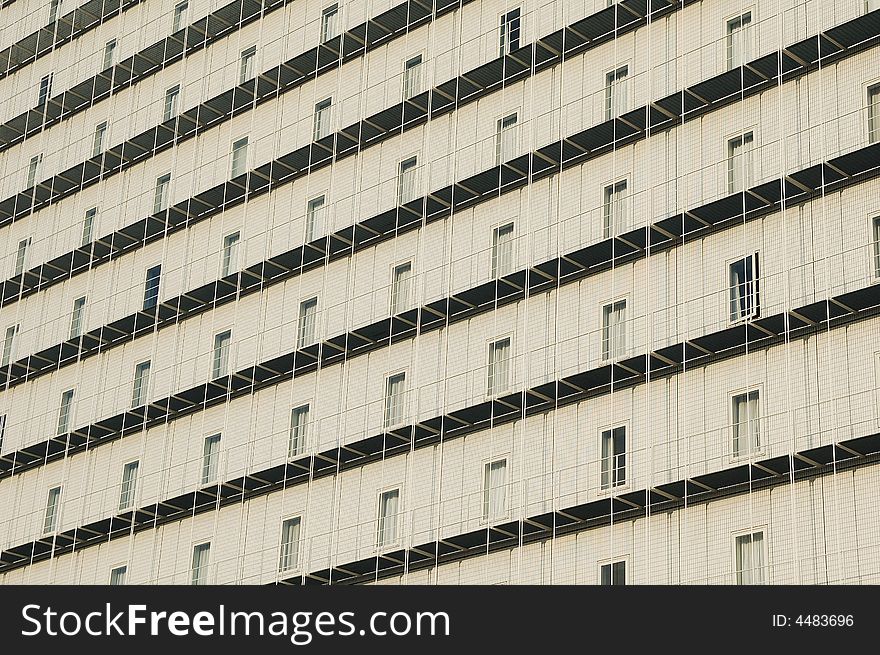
(151, 286)
(322, 119)
(308, 319)
(406, 181)
(495, 490)
(8, 343)
(53, 502)
(299, 424)
(247, 64)
(76, 317)
(400, 288)
(201, 555)
(613, 447)
(88, 226)
(876, 223)
(229, 258)
(499, 367)
(510, 32)
(738, 44)
(750, 559)
(64, 412)
(172, 96)
(614, 330)
(210, 459)
(290, 530)
(118, 575)
(412, 77)
(239, 157)
(220, 364)
(129, 480)
(395, 399)
(505, 139)
(502, 250)
(329, 23)
(743, 280)
(314, 218)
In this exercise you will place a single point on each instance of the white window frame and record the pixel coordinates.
(98, 145)
(77, 317)
(616, 90)
(492, 390)
(180, 11)
(10, 337)
(114, 569)
(412, 170)
(33, 170)
(238, 156)
(147, 280)
(755, 310)
(502, 20)
(747, 40)
(88, 226)
(128, 499)
(140, 388)
(765, 548)
(229, 253)
(411, 79)
(221, 362)
(750, 452)
(44, 92)
(616, 207)
(322, 120)
(384, 544)
(498, 268)
(285, 558)
(200, 580)
(247, 64)
(304, 430)
(68, 418)
(54, 10)
(331, 21)
(613, 487)
(396, 305)
(872, 112)
(56, 510)
(209, 462)
(609, 353)
(162, 193)
(748, 174)
(171, 103)
(109, 54)
(611, 561)
(316, 207)
(874, 241)
(307, 319)
(387, 423)
(506, 138)
(486, 516)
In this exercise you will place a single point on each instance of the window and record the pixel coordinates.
(141, 387)
(239, 157)
(308, 316)
(151, 286)
(201, 555)
(389, 508)
(401, 283)
(509, 37)
(129, 484)
(210, 459)
(89, 226)
(395, 399)
(615, 209)
(53, 508)
(179, 16)
(406, 180)
(45, 89)
(738, 43)
(502, 250)
(117, 575)
(33, 169)
(505, 138)
(220, 362)
(2, 430)
(614, 457)
(616, 91)
(8, 343)
(54, 6)
(172, 100)
(750, 558)
(329, 23)
(412, 77)
(21, 256)
(499, 366)
(746, 423)
(876, 225)
(321, 126)
(76, 317)
(247, 64)
(64, 412)
(614, 330)
(98, 143)
(160, 199)
(289, 544)
(299, 425)
(109, 52)
(743, 284)
(740, 173)
(495, 490)
(229, 258)
(314, 214)
(874, 113)
(613, 573)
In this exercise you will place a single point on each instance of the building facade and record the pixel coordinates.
(457, 292)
